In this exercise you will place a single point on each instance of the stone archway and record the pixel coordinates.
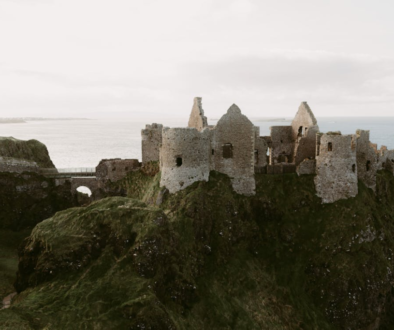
(90, 183)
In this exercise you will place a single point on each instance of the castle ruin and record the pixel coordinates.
(234, 147)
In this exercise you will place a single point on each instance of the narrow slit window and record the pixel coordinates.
(256, 156)
(368, 166)
(300, 131)
(354, 168)
(213, 152)
(179, 161)
(329, 146)
(227, 150)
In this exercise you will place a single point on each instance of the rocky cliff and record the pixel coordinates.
(32, 150)
(207, 258)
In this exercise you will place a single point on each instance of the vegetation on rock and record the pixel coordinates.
(28, 150)
(207, 258)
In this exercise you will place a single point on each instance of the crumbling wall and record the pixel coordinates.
(303, 120)
(197, 119)
(307, 166)
(233, 150)
(386, 160)
(260, 151)
(115, 169)
(366, 159)
(282, 145)
(151, 142)
(304, 129)
(13, 165)
(184, 157)
(336, 168)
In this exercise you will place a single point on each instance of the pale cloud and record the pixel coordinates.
(129, 56)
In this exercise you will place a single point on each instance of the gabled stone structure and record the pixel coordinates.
(234, 147)
(233, 150)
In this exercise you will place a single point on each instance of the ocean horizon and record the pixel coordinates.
(83, 143)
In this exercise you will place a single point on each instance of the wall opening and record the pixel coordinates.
(354, 168)
(283, 159)
(84, 190)
(227, 150)
(300, 131)
(179, 161)
(256, 156)
(368, 166)
(329, 146)
(305, 130)
(213, 152)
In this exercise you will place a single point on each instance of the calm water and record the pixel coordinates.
(84, 143)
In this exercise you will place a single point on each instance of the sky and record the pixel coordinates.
(146, 59)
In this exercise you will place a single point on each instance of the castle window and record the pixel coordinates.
(256, 156)
(329, 146)
(179, 161)
(213, 152)
(227, 150)
(368, 165)
(300, 131)
(354, 168)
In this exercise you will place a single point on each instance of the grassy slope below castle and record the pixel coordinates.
(207, 258)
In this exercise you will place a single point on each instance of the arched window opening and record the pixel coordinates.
(179, 161)
(256, 156)
(300, 131)
(84, 190)
(368, 166)
(329, 146)
(354, 168)
(227, 150)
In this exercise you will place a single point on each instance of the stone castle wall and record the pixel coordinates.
(260, 150)
(282, 145)
(336, 168)
(197, 119)
(151, 142)
(116, 169)
(367, 165)
(233, 150)
(184, 157)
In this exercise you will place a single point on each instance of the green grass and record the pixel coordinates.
(207, 258)
(9, 242)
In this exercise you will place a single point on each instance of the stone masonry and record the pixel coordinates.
(234, 147)
(184, 157)
(151, 142)
(197, 119)
(336, 167)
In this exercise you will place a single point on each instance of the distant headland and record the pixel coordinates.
(22, 120)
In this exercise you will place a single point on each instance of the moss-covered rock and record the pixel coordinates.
(32, 150)
(207, 258)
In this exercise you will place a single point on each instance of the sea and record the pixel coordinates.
(83, 143)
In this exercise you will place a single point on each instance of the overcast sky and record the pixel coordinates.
(129, 58)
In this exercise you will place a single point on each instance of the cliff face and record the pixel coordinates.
(32, 150)
(26, 199)
(207, 258)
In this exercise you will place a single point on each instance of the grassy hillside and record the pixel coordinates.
(207, 258)
(29, 150)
